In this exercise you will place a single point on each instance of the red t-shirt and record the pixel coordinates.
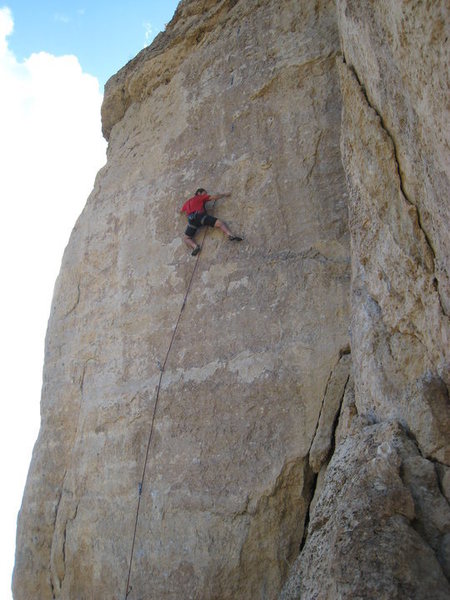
(196, 204)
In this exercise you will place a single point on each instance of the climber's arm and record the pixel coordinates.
(220, 196)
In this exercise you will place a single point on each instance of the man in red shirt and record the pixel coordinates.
(197, 217)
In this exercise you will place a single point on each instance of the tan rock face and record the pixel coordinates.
(398, 222)
(400, 53)
(244, 98)
(400, 331)
(363, 538)
(204, 421)
(380, 521)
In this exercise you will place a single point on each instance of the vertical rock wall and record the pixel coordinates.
(240, 97)
(380, 526)
(269, 437)
(394, 154)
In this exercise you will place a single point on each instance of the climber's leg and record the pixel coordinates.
(190, 242)
(188, 239)
(223, 227)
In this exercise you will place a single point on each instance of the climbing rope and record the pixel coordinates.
(158, 389)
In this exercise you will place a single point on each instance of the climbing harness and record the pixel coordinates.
(197, 218)
(162, 367)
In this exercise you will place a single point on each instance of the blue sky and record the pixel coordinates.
(55, 58)
(103, 35)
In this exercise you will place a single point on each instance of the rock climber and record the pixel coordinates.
(197, 217)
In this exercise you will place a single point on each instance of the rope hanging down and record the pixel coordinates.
(161, 368)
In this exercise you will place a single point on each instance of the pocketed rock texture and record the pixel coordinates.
(363, 525)
(380, 521)
(281, 456)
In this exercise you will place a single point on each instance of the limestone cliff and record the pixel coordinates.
(380, 523)
(206, 431)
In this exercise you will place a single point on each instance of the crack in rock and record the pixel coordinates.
(66, 514)
(323, 439)
(365, 528)
(398, 169)
(275, 531)
(76, 302)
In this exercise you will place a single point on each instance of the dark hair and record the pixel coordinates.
(200, 191)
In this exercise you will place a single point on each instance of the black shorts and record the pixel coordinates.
(196, 220)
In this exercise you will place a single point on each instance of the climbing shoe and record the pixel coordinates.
(234, 238)
(195, 251)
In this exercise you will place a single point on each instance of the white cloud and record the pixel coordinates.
(50, 150)
(6, 27)
(61, 18)
(148, 27)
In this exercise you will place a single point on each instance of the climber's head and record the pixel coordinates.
(200, 191)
